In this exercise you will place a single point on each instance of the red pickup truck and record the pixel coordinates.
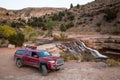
(40, 59)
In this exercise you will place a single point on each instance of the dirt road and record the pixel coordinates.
(72, 70)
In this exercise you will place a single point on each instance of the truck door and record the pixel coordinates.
(27, 58)
(32, 59)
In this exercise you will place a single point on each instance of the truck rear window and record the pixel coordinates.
(21, 52)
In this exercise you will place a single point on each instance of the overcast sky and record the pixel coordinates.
(19, 4)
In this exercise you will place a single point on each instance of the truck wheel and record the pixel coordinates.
(44, 70)
(19, 63)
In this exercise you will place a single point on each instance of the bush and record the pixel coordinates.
(98, 24)
(69, 56)
(16, 24)
(55, 17)
(69, 13)
(117, 32)
(110, 14)
(36, 22)
(112, 62)
(6, 31)
(69, 25)
(63, 28)
(58, 16)
(17, 39)
(61, 13)
(50, 25)
(71, 17)
(88, 57)
(78, 6)
(61, 37)
(30, 33)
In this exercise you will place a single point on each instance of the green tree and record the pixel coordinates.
(36, 22)
(71, 5)
(30, 33)
(49, 25)
(6, 31)
(18, 23)
(69, 25)
(71, 17)
(78, 5)
(27, 32)
(17, 39)
(63, 27)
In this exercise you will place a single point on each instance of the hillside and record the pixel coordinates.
(27, 12)
(99, 16)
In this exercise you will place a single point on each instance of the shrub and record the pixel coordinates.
(7, 14)
(112, 62)
(6, 31)
(63, 27)
(3, 22)
(50, 25)
(69, 13)
(17, 39)
(61, 37)
(16, 24)
(71, 5)
(30, 33)
(98, 24)
(27, 32)
(87, 57)
(69, 56)
(71, 17)
(58, 16)
(91, 19)
(78, 5)
(36, 22)
(56, 38)
(55, 17)
(61, 13)
(110, 14)
(69, 25)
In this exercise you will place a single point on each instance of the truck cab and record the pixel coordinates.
(40, 59)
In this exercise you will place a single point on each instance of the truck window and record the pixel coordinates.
(44, 54)
(34, 54)
(21, 52)
(28, 53)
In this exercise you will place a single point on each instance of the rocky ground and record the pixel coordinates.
(72, 70)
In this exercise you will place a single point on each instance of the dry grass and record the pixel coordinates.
(113, 63)
(69, 56)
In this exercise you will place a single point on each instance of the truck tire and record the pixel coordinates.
(44, 70)
(19, 63)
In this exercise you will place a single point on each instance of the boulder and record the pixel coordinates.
(11, 46)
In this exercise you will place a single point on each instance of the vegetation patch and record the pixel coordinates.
(69, 56)
(17, 39)
(113, 63)
(6, 31)
(61, 37)
(110, 14)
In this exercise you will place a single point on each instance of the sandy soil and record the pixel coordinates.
(72, 70)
